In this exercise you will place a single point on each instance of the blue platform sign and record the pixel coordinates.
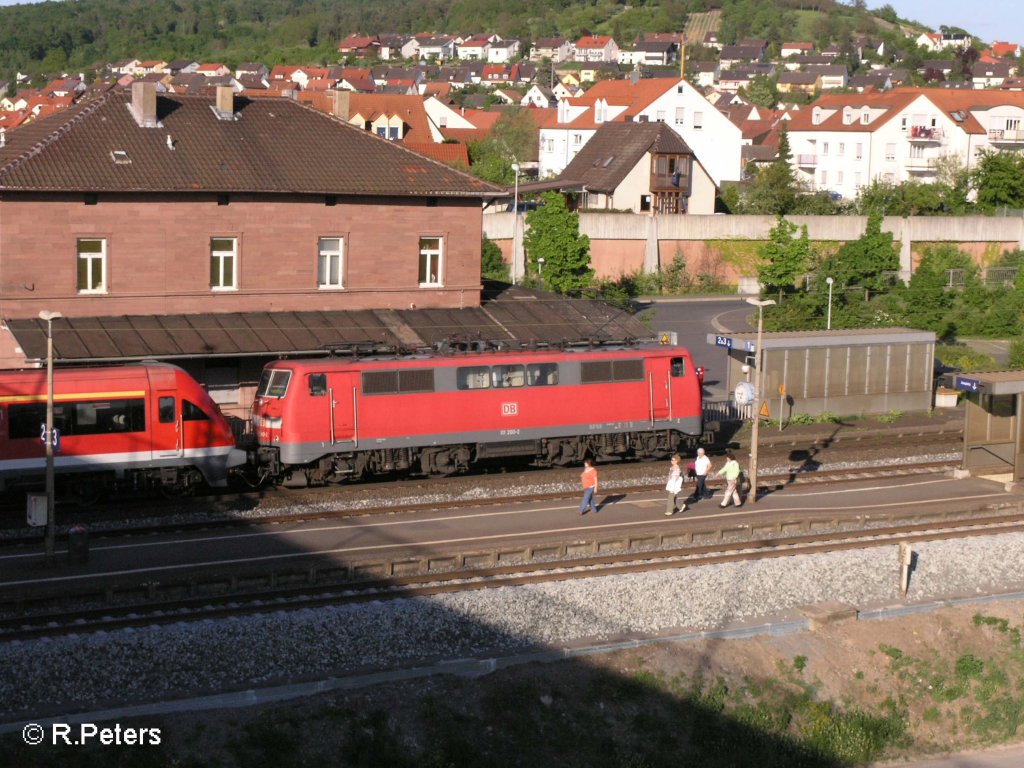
(966, 384)
(749, 345)
(723, 341)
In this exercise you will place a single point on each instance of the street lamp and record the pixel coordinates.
(515, 195)
(828, 322)
(760, 391)
(49, 317)
(540, 271)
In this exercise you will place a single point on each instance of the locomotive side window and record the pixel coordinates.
(508, 376)
(192, 412)
(678, 366)
(473, 377)
(542, 374)
(166, 410)
(317, 384)
(273, 383)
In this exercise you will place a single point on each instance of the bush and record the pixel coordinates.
(959, 357)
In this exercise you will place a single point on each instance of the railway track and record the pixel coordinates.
(82, 620)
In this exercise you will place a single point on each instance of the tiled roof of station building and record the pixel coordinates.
(271, 145)
(508, 314)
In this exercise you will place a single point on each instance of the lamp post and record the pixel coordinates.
(828, 322)
(515, 195)
(540, 271)
(760, 390)
(49, 317)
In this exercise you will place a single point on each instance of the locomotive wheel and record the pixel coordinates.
(87, 491)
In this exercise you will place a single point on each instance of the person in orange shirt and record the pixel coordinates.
(588, 479)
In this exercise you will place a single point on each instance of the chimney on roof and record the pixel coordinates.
(342, 104)
(225, 105)
(144, 104)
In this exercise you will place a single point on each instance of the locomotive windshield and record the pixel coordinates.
(273, 383)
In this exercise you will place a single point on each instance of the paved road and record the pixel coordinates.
(1003, 757)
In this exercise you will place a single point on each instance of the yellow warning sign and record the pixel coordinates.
(764, 409)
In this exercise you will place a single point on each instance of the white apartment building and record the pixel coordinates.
(844, 141)
(715, 141)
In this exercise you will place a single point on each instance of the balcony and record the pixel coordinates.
(1006, 136)
(924, 134)
(807, 161)
(919, 164)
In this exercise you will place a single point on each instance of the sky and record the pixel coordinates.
(988, 19)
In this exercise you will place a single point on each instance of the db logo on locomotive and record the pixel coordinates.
(510, 409)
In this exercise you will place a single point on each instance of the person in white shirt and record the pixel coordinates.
(701, 468)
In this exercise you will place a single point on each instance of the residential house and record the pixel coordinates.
(832, 76)
(651, 53)
(938, 69)
(799, 82)
(475, 48)
(704, 73)
(435, 47)
(123, 67)
(592, 48)
(212, 70)
(796, 63)
(639, 167)
(182, 66)
(252, 69)
(539, 96)
(394, 47)
(796, 49)
(150, 66)
(564, 91)
(675, 102)
(712, 41)
(938, 41)
(598, 70)
(360, 46)
(503, 51)
(738, 55)
(497, 74)
(990, 75)
(1005, 50)
(844, 141)
(555, 49)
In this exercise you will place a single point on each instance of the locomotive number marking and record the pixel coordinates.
(509, 432)
(510, 409)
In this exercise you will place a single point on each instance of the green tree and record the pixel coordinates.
(492, 266)
(863, 262)
(762, 91)
(999, 180)
(785, 257)
(553, 234)
(928, 302)
(512, 137)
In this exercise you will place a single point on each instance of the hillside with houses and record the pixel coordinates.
(879, 106)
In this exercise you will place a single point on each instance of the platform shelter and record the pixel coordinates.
(993, 433)
(846, 372)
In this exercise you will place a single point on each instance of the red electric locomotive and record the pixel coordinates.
(325, 420)
(131, 427)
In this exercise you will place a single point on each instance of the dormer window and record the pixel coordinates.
(120, 157)
(865, 117)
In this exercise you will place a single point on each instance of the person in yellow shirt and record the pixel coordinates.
(731, 470)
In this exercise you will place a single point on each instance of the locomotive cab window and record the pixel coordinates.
(317, 384)
(192, 412)
(166, 408)
(473, 377)
(678, 366)
(542, 374)
(508, 376)
(273, 383)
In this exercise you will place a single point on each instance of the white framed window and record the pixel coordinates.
(660, 116)
(890, 152)
(223, 263)
(680, 115)
(330, 261)
(824, 178)
(577, 139)
(842, 149)
(91, 265)
(430, 261)
(860, 151)
(839, 177)
(824, 147)
(698, 121)
(856, 179)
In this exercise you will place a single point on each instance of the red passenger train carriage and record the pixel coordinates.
(325, 420)
(121, 427)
